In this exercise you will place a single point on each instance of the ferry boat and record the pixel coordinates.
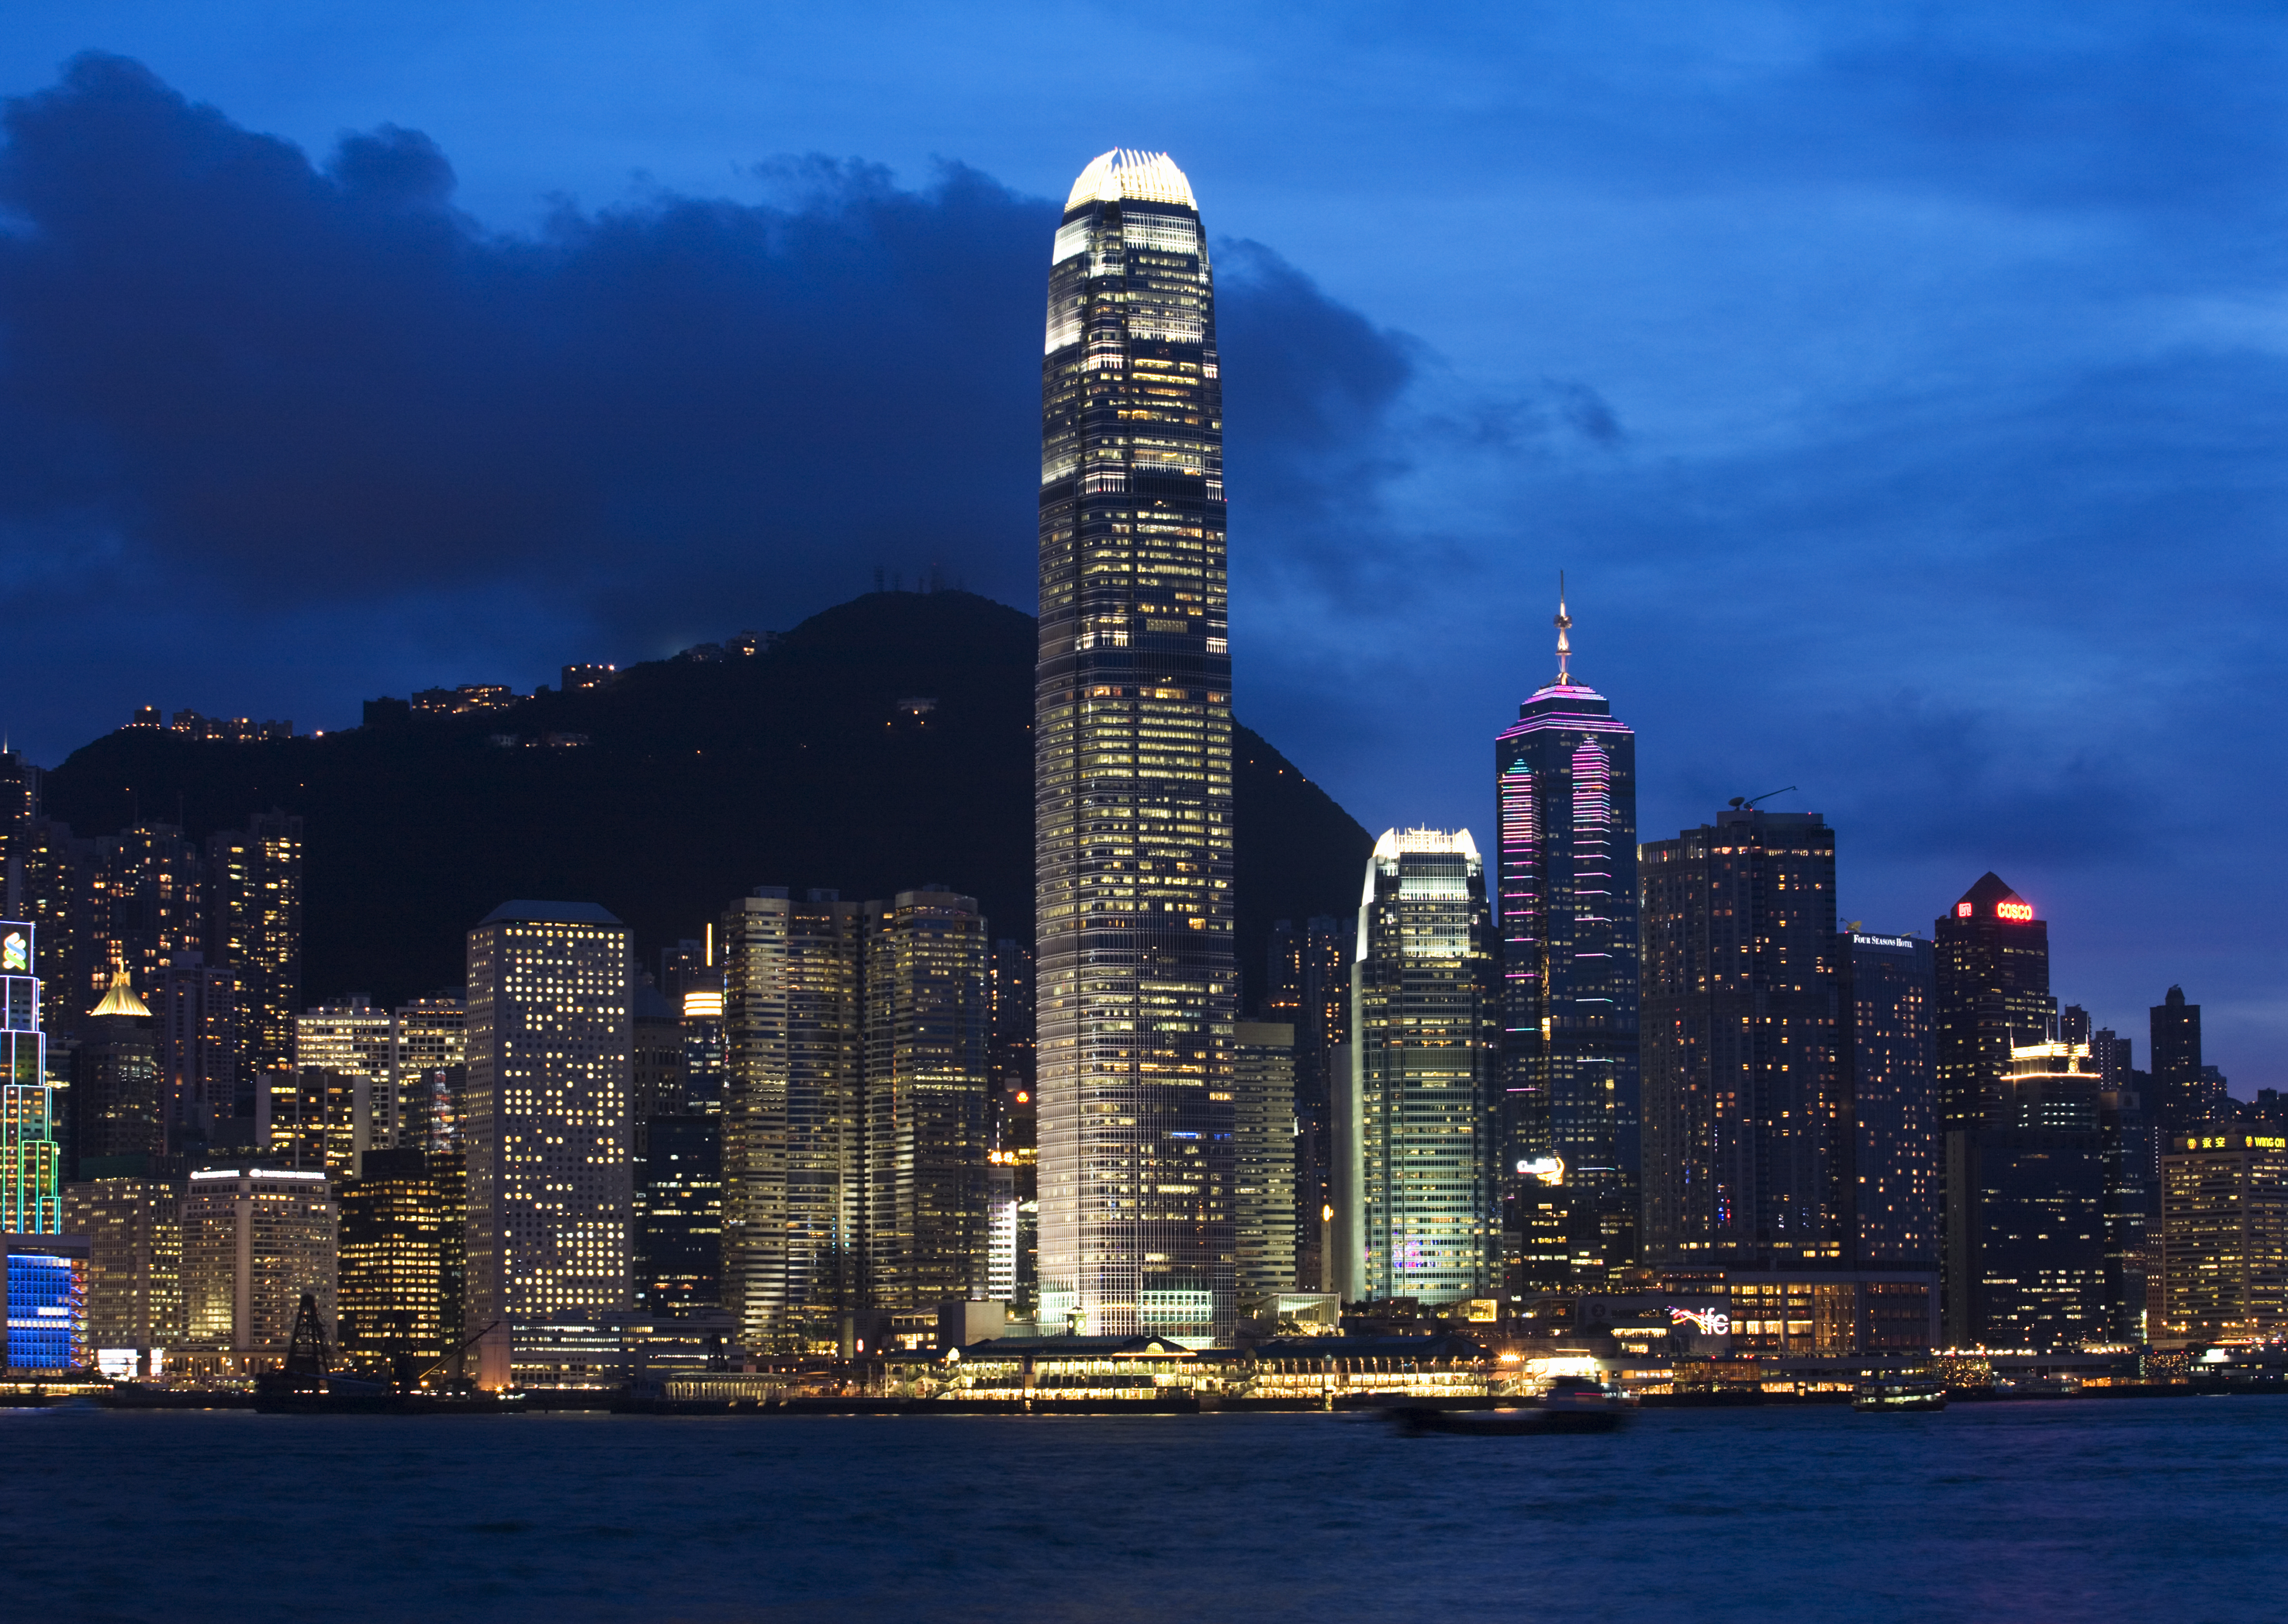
(1573, 1404)
(1901, 1393)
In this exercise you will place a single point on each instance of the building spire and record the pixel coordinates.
(1564, 623)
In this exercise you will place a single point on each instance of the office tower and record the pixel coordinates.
(1263, 1157)
(147, 904)
(1747, 1127)
(1323, 1025)
(2026, 1199)
(51, 877)
(792, 1154)
(1137, 981)
(254, 931)
(2129, 1149)
(657, 1036)
(402, 1268)
(547, 1118)
(31, 1162)
(1012, 1200)
(1884, 1036)
(689, 963)
(255, 1238)
(133, 1223)
(679, 1215)
(705, 1056)
(2186, 1098)
(1566, 804)
(301, 1115)
(1009, 1055)
(117, 1108)
(201, 1050)
(1993, 973)
(1426, 1011)
(46, 1278)
(2225, 1233)
(928, 1120)
(428, 1063)
(350, 1046)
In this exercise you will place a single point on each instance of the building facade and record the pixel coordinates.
(2188, 1094)
(793, 1173)
(2225, 1233)
(1992, 966)
(1887, 1039)
(117, 1108)
(133, 1224)
(1137, 982)
(254, 896)
(679, 1217)
(403, 1275)
(1426, 1034)
(1264, 1117)
(348, 1050)
(1747, 1130)
(255, 1238)
(546, 1126)
(31, 1160)
(928, 1117)
(202, 1054)
(1566, 805)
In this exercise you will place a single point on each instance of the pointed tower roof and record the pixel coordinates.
(1989, 890)
(119, 998)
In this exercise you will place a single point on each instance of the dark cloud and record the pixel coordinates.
(282, 402)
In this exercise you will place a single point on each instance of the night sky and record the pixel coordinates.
(1902, 388)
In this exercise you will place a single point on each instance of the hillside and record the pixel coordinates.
(798, 766)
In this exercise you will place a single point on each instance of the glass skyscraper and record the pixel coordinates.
(1426, 1032)
(1137, 982)
(1565, 777)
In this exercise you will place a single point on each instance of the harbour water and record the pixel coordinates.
(2080, 1510)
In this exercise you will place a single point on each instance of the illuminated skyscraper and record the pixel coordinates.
(1565, 788)
(1884, 1034)
(346, 1049)
(1993, 977)
(928, 1127)
(1426, 1011)
(402, 1273)
(2225, 1232)
(792, 1151)
(117, 1108)
(31, 1162)
(1137, 982)
(546, 1124)
(255, 1238)
(202, 1055)
(2189, 1094)
(147, 904)
(254, 899)
(428, 1061)
(134, 1227)
(1263, 1157)
(1747, 1144)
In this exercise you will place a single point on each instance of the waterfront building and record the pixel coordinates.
(2026, 1201)
(546, 1119)
(1136, 985)
(928, 1121)
(1747, 1129)
(46, 1275)
(404, 1270)
(117, 1108)
(679, 1217)
(2188, 1095)
(31, 1161)
(1566, 807)
(351, 1045)
(133, 1224)
(1013, 1244)
(1884, 1036)
(1263, 1157)
(1992, 964)
(428, 1065)
(254, 897)
(2225, 1233)
(1428, 1031)
(792, 1150)
(202, 1055)
(255, 1238)
(2129, 1144)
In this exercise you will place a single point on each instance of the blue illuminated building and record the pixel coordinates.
(47, 1302)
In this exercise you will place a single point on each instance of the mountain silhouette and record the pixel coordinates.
(881, 745)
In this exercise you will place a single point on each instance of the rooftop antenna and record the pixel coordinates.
(1745, 803)
(1564, 623)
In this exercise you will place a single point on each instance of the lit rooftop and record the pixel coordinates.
(1147, 177)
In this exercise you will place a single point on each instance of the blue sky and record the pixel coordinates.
(1902, 388)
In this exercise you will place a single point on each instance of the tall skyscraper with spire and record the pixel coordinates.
(1565, 786)
(1137, 984)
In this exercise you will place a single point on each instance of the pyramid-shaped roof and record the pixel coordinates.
(1990, 890)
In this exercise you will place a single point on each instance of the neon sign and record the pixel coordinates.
(1962, 910)
(15, 952)
(2013, 910)
(1707, 1321)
